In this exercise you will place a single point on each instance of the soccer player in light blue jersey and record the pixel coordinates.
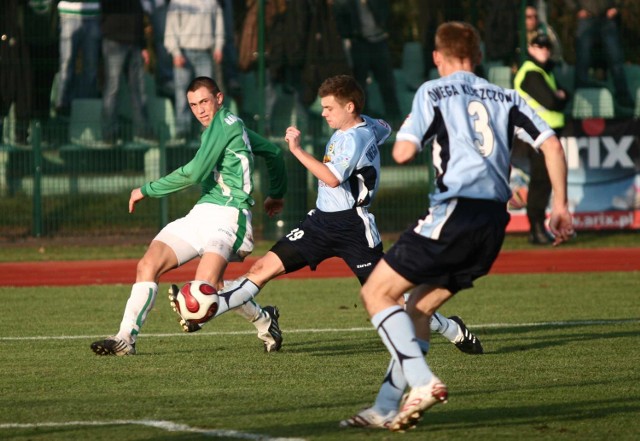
(467, 126)
(340, 225)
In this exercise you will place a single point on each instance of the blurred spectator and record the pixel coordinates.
(229, 69)
(598, 22)
(501, 31)
(15, 71)
(432, 13)
(79, 34)
(363, 24)
(124, 52)
(536, 83)
(534, 25)
(194, 36)
(157, 12)
(288, 41)
(41, 18)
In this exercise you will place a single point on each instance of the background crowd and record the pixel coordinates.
(52, 52)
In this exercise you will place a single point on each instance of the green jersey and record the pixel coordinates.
(223, 165)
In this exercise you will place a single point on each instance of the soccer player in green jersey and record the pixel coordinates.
(218, 228)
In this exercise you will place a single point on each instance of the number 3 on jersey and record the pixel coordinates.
(295, 234)
(484, 135)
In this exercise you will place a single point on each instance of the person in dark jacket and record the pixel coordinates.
(124, 51)
(536, 83)
(15, 73)
(363, 26)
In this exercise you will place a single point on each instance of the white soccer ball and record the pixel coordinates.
(197, 301)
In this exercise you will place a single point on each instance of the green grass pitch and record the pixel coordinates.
(561, 363)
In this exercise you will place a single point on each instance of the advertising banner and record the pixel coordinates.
(603, 159)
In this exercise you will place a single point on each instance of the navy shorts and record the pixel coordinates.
(322, 235)
(466, 248)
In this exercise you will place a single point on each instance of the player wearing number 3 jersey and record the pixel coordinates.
(467, 126)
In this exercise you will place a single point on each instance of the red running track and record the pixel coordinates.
(103, 272)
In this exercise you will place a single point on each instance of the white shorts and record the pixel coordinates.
(210, 228)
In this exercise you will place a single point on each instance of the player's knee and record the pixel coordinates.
(266, 268)
(147, 269)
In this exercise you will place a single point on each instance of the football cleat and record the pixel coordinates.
(113, 346)
(369, 419)
(186, 325)
(272, 337)
(469, 343)
(416, 402)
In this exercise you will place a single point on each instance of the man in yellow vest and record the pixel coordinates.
(535, 82)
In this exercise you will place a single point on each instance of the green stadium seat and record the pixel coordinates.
(565, 77)
(163, 119)
(85, 123)
(501, 76)
(412, 67)
(592, 102)
(287, 111)
(124, 94)
(375, 103)
(249, 107)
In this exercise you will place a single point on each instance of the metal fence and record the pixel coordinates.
(66, 183)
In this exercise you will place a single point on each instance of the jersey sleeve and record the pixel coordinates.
(212, 146)
(342, 158)
(529, 127)
(415, 125)
(381, 129)
(274, 159)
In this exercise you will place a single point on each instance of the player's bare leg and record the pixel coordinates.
(158, 259)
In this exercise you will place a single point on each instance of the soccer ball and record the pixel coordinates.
(197, 301)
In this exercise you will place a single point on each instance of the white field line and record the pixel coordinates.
(221, 433)
(163, 425)
(558, 324)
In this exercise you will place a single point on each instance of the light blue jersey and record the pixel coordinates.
(353, 157)
(471, 124)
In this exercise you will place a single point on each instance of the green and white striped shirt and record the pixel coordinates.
(86, 8)
(223, 165)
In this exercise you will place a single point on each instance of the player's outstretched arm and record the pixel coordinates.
(560, 222)
(317, 168)
(404, 151)
(136, 196)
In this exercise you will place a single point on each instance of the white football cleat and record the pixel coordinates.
(369, 419)
(416, 402)
(270, 332)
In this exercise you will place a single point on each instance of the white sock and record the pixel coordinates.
(236, 294)
(250, 311)
(398, 334)
(262, 321)
(141, 301)
(448, 328)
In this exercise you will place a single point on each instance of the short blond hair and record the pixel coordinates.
(456, 39)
